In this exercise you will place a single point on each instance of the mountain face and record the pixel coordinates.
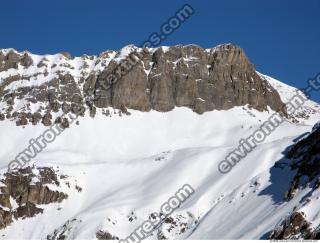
(150, 121)
(34, 87)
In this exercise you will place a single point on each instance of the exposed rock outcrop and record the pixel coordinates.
(66, 230)
(133, 78)
(105, 235)
(304, 157)
(203, 80)
(27, 188)
(295, 227)
(63, 232)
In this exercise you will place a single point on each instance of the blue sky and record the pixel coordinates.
(280, 37)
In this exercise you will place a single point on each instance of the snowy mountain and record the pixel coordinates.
(138, 124)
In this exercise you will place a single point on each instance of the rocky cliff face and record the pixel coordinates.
(38, 88)
(22, 191)
(304, 157)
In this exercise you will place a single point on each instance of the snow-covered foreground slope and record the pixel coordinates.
(128, 166)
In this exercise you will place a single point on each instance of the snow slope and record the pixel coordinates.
(130, 165)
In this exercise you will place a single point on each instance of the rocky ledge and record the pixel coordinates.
(37, 88)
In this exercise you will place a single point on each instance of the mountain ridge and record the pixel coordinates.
(166, 77)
